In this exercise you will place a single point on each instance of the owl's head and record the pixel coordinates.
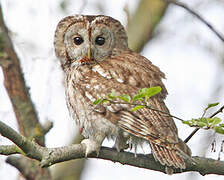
(83, 39)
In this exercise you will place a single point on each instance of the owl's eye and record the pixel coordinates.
(100, 40)
(78, 40)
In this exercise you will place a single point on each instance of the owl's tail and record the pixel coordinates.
(173, 155)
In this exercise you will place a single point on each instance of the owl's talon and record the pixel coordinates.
(121, 143)
(91, 146)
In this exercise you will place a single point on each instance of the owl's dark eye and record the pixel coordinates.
(100, 40)
(78, 40)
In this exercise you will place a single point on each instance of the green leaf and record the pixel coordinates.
(211, 105)
(219, 129)
(112, 95)
(204, 120)
(201, 124)
(98, 101)
(210, 120)
(216, 121)
(137, 108)
(187, 122)
(143, 91)
(149, 92)
(153, 91)
(146, 93)
(104, 101)
(138, 97)
(194, 121)
(125, 98)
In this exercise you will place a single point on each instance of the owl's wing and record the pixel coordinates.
(126, 74)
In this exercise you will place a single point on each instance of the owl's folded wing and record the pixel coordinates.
(159, 129)
(114, 75)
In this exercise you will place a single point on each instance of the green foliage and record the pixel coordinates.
(137, 107)
(125, 98)
(208, 107)
(142, 96)
(214, 123)
(204, 122)
(100, 101)
(211, 105)
(142, 100)
(145, 93)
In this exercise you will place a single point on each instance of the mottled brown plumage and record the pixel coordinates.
(95, 57)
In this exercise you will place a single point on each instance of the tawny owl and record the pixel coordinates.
(95, 57)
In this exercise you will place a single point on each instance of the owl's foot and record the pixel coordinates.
(91, 146)
(120, 146)
(121, 142)
(93, 143)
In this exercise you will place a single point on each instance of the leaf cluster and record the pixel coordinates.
(142, 96)
(214, 123)
(142, 100)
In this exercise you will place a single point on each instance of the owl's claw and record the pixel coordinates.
(91, 146)
(121, 143)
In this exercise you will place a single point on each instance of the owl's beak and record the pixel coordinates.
(89, 54)
(88, 59)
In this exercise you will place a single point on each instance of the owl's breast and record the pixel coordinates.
(83, 86)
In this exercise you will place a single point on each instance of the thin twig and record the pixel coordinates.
(196, 130)
(217, 112)
(48, 125)
(197, 16)
(191, 135)
(149, 107)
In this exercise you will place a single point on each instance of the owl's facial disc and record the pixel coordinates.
(88, 44)
(77, 43)
(102, 42)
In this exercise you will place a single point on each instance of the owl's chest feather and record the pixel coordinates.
(82, 89)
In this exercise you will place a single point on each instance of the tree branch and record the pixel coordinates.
(23, 107)
(25, 166)
(47, 126)
(219, 35)
(50, 156)
(141, 25)
(9, 150)
(196, 130)
(17, 90)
